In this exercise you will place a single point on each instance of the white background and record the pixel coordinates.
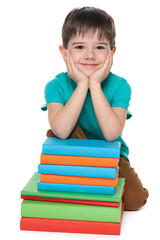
(30, 33)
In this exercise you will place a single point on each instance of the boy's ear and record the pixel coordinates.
(63, 52)
(114, 50)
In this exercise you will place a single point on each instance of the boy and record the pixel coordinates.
(88, 101)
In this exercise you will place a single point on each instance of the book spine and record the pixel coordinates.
(58, 187)
(40, 209)
(81, 151)
(82, 171)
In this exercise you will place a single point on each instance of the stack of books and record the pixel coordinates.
(76, 188)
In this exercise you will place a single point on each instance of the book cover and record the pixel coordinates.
(51, 178)
(81, 147)
(69, 211)
(82, 171)
(60, 187)
(79, 160)
(75, 201)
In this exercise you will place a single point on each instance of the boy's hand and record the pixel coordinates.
(73, 71)
(102, 73)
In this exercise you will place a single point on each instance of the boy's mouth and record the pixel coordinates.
(89, 65)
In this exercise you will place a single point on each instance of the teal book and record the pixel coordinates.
(81, 147)
(82, 171)
(75, 188)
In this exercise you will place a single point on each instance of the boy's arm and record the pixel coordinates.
(111, 120)
(62, 119)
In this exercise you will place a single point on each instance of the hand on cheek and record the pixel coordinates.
(73, 71)
(102, 73)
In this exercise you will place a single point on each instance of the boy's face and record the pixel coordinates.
(89, 53)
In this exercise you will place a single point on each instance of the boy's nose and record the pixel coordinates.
(90, 54)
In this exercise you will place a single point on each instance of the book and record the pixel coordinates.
(75, 201)
(79, 160)
(82, 171)
(30, 190)
(70, 226)
(51, 178)
(81, 147)
(69, 211)
(60, 187)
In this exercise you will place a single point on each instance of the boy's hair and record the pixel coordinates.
(82, 20)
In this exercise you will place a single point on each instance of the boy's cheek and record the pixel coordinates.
(74, 56)
(72, 53)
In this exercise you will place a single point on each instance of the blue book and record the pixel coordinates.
(81, 147)
(82, 171)
(75, 188)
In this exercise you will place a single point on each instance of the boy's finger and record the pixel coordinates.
(72, 64)
(68, 63)
(106, 64)
(110, 61)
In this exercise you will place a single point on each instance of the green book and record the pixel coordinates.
(31, 190)
(57, 210)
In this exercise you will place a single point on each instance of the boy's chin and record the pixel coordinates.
(88, 73)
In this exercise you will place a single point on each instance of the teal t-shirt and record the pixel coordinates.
(116, 90)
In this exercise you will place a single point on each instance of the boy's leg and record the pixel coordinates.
(135, 195)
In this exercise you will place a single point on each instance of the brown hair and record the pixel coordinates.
(81, 20)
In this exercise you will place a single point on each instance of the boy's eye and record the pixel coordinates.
(79, 47)
(100, 47)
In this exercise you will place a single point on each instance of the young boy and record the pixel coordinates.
(88, 101)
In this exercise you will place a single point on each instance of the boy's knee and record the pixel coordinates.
(50, 133)
(77, 133)
(134, 200)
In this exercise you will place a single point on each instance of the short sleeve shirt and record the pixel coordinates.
(116, 90)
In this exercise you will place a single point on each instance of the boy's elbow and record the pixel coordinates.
(59, 133)
(62, 138)
(112, 136)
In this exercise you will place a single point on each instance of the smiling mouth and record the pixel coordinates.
(89, 65)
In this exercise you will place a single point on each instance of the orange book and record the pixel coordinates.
(79, 161)
(49, 178)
